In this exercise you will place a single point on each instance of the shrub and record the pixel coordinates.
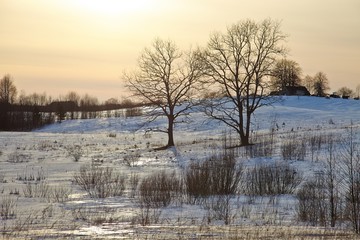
(95, 215)
(7, 208)
(32, 175)
(133, 182)
(218, 175)
(2, 178)
(293, 149)
(60, 194)
(17, 157)
(100, 182)
(39, 190)
(263, 146)
(159, 189)
(352, 203)
(220, 207)
(132, 159)
(156, 191)
(312, 205)
(112, 135)
(271, 180)
(198, 180)
(75, 152)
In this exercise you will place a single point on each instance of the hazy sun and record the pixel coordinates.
(110, 7)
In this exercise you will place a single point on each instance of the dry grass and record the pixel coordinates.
(195, 232)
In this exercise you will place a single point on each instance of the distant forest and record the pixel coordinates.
(17, 117)
(28, 112)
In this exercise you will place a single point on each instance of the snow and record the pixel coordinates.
(44, 153)
(305, 112)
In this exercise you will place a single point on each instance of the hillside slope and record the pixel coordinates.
(289, 112)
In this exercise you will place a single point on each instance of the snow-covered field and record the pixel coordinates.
(37, 172)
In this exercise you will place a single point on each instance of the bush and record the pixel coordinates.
(293, 149)
(95, 215)
(220, 207)
(112, 135)
(7, 208)
(159, 189)
(132, 159)
(32, 175)
(218, 175)
(100, 182)
(2, 178)
(263, 147)
(271, 180)
(60, 194)
(75, 152)
(17, 157)
(156, 191)
(133, 182)
(40, 190)
(312, 205)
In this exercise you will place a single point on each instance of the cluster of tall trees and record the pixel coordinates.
(333, 196)
(235, 71)
(8, 90)
(28, 111)
(234, 64)
(287, 73)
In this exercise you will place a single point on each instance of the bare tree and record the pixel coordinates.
(238, 62)
(34, 99)
(345, 92)
(7, 90)
(351, 174)
(286, 73)
(165, 79)
(112, 101)
(321, 84)
(73, 96)
(357, 91)
(331, 182)
(87, 101)
(308, 82)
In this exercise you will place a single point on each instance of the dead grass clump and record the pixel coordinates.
(218, 175)
(159, 189)
(7, 207)
(101, 182)
(275, 179)
(293, 148)
(155, 192)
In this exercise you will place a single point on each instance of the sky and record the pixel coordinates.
(57, 46)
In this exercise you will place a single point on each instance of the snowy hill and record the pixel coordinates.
(289, 112)
(38, 169)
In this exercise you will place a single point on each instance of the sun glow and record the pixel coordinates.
(111, 7)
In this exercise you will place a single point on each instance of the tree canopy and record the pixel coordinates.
(166, 78)
(286, 73)
(8, 90)
(239, 62)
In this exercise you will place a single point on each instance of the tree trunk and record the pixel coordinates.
(244, 137)
(170, 132)
(244, 140)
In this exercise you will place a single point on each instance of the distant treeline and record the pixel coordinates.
(18, 117)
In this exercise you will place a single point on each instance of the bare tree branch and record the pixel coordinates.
(238, 63)
(166, 79)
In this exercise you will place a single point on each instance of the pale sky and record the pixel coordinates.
(56, 46)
